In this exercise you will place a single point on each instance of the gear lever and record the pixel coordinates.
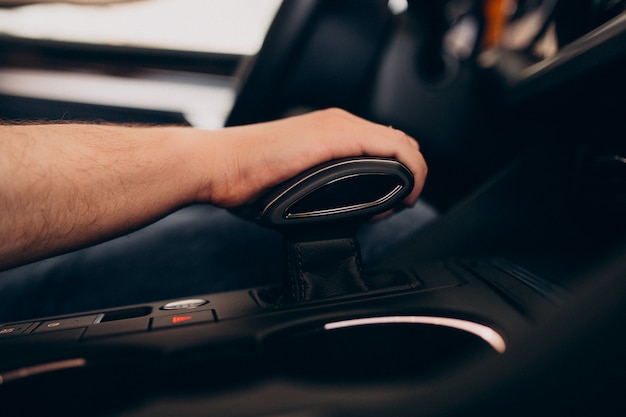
(319, 212)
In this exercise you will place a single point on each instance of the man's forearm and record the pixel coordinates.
(65, 186)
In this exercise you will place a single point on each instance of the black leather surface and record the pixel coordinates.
(322, 269)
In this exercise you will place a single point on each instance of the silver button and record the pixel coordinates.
(184, 304)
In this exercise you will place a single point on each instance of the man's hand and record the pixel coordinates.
(248, 160)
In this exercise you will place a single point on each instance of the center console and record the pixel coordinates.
(467, 290)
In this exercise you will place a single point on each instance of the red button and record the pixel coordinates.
(204, 316)
(180, 319)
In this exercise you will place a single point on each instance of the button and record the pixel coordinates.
(63, 324)
(111, 328)
(13, 330)
(184, 304)
(50, 338)
(183, 319)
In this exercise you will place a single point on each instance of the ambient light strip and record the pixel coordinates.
(41, 369)
(493, 338)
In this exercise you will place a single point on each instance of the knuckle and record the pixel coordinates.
(335, 113)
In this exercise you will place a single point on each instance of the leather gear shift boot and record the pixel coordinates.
(323, 269)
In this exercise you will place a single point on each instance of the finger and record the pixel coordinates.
(419, 175)
(406, 149)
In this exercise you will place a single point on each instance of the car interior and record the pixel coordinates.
(510, 302)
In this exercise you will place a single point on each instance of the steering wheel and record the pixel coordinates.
(317, 53)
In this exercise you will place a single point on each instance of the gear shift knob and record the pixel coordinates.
(319, 212)
(334, 198)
